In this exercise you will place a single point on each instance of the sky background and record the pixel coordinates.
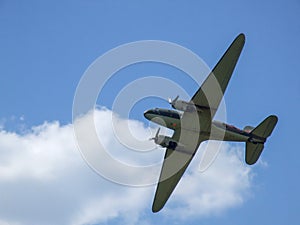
(45, 48)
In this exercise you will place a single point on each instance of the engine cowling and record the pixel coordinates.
(182, 105)
(166, 142)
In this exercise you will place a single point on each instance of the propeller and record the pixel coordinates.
(172, 102)
(155, 138)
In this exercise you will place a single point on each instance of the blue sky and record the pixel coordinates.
(46, 47)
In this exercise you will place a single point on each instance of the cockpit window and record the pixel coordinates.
(170, 114)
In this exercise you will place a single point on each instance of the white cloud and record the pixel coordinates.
(44, 180)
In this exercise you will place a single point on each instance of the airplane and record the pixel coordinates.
(192, 123)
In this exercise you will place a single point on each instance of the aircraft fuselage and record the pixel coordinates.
(218, 130)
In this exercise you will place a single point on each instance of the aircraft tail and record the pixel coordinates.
(259, 135)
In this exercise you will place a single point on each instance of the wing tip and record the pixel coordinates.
(156, 209)
(274, 118)
(158, 204)
(240, 40)
(242, 35)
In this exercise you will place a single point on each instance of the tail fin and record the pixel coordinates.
(262, 131)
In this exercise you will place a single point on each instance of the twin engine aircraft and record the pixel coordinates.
(193, 124)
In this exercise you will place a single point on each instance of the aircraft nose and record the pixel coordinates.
(146, 114)
(149, 114)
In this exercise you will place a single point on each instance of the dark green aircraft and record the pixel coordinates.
(193, 124)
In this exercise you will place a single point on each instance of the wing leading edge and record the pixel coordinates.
(211, 92)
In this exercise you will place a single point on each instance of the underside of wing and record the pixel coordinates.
(210, 94)
(175, 163)
(174, 166)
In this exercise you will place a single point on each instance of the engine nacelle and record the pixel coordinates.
(184, 106)
(166, 142)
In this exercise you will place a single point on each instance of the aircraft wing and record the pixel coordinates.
(211, 92)
(174, 166)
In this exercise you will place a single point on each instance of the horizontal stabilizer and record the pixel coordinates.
(253, 152)
(263, 130)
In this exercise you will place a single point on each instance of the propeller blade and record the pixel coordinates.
(156, 135)
(172, 102)
(176, 99)
(155, 138)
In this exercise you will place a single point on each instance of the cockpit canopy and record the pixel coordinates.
(164, 112)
